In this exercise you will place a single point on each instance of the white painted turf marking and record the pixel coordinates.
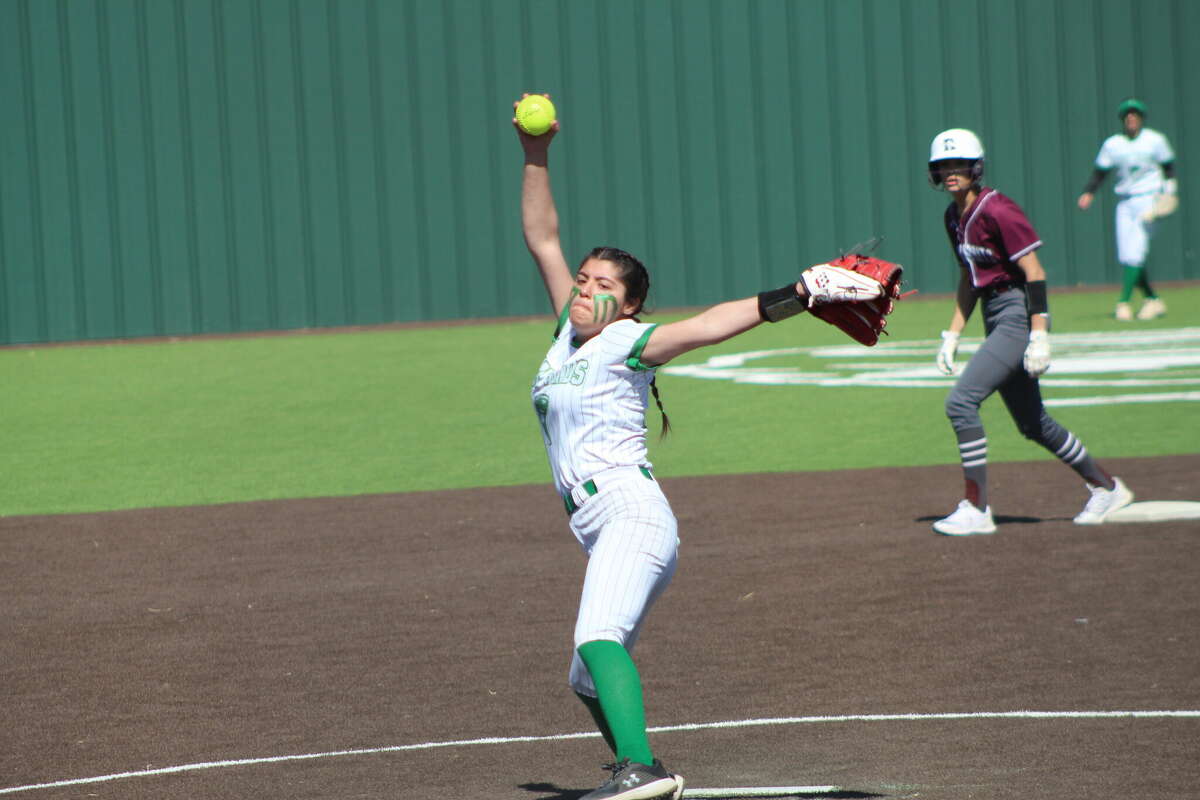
(1086, 361)
(745, 723)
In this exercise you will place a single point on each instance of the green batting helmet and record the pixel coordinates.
(1131, 105)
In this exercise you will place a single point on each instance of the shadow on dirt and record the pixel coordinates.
(548, 791)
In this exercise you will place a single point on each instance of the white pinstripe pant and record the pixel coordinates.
(630, 536)
(1133, 232)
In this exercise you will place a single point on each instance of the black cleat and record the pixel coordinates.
(633, 781)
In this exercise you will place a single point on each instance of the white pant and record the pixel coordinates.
(1133, 232)
(630, 536)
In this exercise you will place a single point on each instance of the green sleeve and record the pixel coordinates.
(634, 362)
(562, 320)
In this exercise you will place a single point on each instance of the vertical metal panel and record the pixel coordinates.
(738, 178)
(1163, 84)
(358, 161)
(379, 179)
(282, 166)
(814, 55)
(431, 157)
(899, 175)
(111, 313)
(142, 103)
(227, 180)
(701, 185)
(469, 226)
(402, 157)
(50, 171)
(587, 179)
(324, 217)
(659, 128)
(926, 100)
(77, 62)
(668, 151)
(513, 285)
(243, 157)
(166, 159)
(1042, 152)
(222, 165)
(22, 275)
(849, 152)
(893, 168)
(1186, 117)
(125, 144)
(762, 140)
(1073, 54)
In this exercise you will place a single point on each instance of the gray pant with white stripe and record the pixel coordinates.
(997, 367)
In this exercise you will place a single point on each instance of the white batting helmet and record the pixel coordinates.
(956, 143)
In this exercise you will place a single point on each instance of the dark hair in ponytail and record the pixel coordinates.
(666, 421)
(636, 279)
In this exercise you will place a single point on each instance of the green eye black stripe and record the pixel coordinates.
(604, 307)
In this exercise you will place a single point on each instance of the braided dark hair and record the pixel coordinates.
(666, 421)
(636, 279)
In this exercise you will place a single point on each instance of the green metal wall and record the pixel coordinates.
(174, 167)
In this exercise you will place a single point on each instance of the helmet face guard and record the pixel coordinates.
(935, 177)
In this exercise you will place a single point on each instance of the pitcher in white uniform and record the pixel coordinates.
(1145, 166)
(590, 396)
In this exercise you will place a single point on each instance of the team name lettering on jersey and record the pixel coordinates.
(572, 373)
(978, 253)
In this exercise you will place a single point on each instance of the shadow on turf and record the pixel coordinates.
(548, 791)
(1001, 519)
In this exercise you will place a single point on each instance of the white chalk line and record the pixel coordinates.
(696, 726)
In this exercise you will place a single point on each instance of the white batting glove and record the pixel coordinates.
(826, 284)
(1037, 353)
(945, 356)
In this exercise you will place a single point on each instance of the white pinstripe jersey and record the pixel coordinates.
(1137, 161)
(591, 401)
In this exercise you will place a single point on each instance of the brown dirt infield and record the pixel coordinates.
(151, 639)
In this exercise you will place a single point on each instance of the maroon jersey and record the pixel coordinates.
(990, 238)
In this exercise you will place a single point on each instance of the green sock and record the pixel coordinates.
(1129, 279)
(593, 705)
(1143, 283)
(619, 690)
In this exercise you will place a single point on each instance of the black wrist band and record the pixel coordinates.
(1035, 298)
(780, 303)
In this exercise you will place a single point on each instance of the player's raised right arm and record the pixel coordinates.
(539, 217)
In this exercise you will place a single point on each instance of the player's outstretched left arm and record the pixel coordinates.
(711, 326)
(821, 287)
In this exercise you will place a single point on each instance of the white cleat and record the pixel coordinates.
(967, 520)
(1152, 309)
(1104, 502)
(1123, 313)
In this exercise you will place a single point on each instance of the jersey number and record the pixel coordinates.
(542, 404)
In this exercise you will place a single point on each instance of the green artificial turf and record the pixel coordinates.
(111, 426)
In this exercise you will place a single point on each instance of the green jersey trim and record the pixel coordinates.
(562, 320)
(634, 362)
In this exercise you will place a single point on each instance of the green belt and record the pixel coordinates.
(590, 487)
